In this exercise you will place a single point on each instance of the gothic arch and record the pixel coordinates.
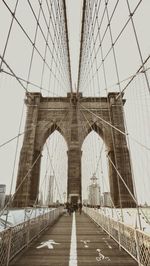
(46, 131)
(92, 155)
(47, 114)
(103, 131)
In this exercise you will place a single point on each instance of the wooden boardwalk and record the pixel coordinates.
(94, 247)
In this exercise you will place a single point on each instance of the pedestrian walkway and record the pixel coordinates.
(74, 241)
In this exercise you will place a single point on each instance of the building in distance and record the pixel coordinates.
(94, 195)
(106, 199)
(2, 195)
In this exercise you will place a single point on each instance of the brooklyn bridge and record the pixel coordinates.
(74, 144)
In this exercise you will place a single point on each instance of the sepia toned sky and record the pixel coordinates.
(137, 107)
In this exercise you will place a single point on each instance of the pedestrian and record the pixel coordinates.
(75, 207)
(68, 207)
(80, 207)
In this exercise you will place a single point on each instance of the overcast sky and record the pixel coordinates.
(137, 105)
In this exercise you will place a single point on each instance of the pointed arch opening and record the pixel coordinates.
(54, 167)
(49, 130)
(94, 164)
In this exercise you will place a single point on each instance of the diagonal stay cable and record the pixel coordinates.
(114, 43)
(57, 62)
(9, 33)
(10, 140)
(131, 194)
(20, 184)
(30, 40)
(133, 76)
(117, 129)
(13, 73)
(56, 23)
(29, 82)
(98, 162)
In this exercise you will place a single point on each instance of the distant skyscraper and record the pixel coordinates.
(41, 203)
(50, 190)
(94, 192)
(2, 195)
(107, 199)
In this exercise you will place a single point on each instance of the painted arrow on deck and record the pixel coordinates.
(85, 243)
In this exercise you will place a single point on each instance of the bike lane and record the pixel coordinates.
(95, 247)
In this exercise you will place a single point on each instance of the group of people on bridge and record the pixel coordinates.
(73, 207)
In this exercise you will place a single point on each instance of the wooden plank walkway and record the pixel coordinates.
(94, 247)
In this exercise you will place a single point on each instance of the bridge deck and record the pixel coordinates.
(94, 247)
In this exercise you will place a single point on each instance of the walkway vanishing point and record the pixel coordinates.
(74, 241)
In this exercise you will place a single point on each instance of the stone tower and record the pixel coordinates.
(74, 117)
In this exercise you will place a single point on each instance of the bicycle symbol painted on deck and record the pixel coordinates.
(101, 256)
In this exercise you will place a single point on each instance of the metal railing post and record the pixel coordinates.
(109, 226)
(119, 236)
(124, 236)
(137, 248)
(28, 233)
(18, 237)
(9, 246)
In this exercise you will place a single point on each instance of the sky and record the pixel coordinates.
(17, 55)
(137, 108)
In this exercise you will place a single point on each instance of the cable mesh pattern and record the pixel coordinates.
(135, 242)
(14, 239)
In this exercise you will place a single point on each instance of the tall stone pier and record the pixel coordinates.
(74, 117)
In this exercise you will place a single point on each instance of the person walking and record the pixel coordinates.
(80, 208)
(68, 207)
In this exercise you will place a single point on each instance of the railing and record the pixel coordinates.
(135, 242)
(16, 238)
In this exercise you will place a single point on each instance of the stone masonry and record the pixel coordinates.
(74, 117)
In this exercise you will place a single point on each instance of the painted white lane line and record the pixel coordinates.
(73, 247)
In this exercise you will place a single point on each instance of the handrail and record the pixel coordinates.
(134, 241)
(16, 238)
